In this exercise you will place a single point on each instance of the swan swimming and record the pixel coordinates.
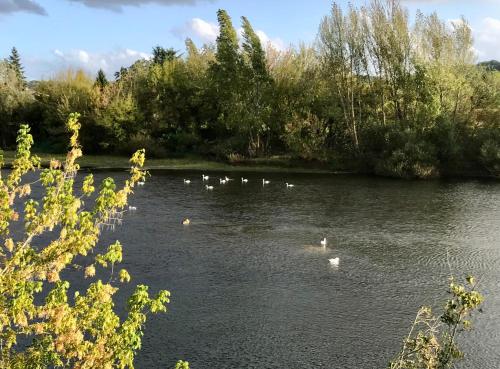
(222, 181)
(289, 185)
(204, 177)
(264, 182)
(244, 180)
(132, 208)
(334, 261)
(141, 183)
(187, 181)
(186, 221)
(209, 187)
(324, 242)
(228, 179)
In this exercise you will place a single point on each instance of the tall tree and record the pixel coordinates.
(255, 54)
(226, 78)
(14, 61)
(257, 88)
(227, 55)
(342, 54)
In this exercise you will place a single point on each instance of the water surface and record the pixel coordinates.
(252, 289)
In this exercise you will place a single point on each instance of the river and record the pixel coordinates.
(251, 288)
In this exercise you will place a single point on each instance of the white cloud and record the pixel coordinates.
(91, 62)
(207, 32)
(276, 43)
(487, 39)
(203, 30)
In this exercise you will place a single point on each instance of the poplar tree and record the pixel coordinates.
(257, 88)
(227, 56)
(254, 53)
(225, 72)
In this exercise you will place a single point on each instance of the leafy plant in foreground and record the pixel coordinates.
(431, 343)
(79, 331)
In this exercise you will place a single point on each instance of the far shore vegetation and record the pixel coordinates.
(380, 91)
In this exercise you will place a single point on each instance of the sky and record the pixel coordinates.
(52, 35)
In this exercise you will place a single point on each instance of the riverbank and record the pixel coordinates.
(277, 164)
(272, 164)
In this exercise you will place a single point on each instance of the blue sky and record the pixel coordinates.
(91, 34)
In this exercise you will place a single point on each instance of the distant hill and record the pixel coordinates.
(492, 64)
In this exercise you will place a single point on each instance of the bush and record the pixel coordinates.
(410, 157)
(490, 156)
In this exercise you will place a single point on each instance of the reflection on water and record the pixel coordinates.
(252, 288)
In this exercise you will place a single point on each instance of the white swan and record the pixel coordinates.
(204, 177)
(289, 185)
(209, 188)
(324, 242)
(244, 180)
(187, 181)
(334, 261)
(132, 208)
(228, 179)
(222, 181)
(264, 182)
(141, 183)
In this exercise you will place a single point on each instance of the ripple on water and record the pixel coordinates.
(250, 288)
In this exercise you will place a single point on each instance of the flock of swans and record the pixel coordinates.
(225, 180)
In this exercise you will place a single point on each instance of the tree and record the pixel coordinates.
(257, 90)
(122, 73)
(491, 65)
(101, 81)
(15, 100)
(79, 331)
(225, 87)
(14, 61)
(342, 52)
(227, 55)
(161, 55)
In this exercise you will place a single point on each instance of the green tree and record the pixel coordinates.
(225, 93)
(15, 101)
(257, 89)
(101, 81)
(14, 61)
(161, 55)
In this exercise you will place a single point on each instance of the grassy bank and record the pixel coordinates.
(273, 164)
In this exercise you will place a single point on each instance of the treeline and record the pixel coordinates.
(374, 93)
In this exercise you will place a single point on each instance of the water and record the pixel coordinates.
(252, 289)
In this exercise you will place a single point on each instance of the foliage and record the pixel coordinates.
(432, 341)
(491, 65)
(101, 81)
(14, 62)
(395, 94)
(42, 323)
(15, 102)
